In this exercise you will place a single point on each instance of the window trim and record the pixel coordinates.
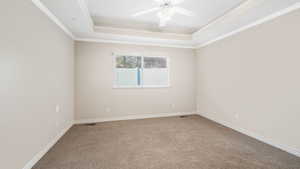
(115, 86)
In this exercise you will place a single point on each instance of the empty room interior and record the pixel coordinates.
(150, 84)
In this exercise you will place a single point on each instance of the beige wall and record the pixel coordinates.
(94, 82)
(36, 74)
(251, 80)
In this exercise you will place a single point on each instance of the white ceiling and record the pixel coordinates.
(112, 21)
(118, 13)
(248, 13)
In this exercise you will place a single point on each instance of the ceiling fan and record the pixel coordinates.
(166, 10)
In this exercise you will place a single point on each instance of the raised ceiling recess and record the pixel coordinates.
(170, 23)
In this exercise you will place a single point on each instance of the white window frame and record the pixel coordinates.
(142, 85)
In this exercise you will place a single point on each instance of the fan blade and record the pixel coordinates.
(183, 11)
(146, 11)
(160, 1)
(176, 2)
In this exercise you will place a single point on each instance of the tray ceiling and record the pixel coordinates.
(111, 20)
(116, 13)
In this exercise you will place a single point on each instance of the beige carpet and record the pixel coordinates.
(163, 143)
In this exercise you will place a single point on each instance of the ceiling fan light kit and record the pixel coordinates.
(166, 11)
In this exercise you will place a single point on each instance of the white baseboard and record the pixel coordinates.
(132, 117)
(40, 154)
(254, 135)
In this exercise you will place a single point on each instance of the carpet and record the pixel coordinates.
(192, 142)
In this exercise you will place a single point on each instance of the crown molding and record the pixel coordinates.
(137, 30)
(256, 23)
(50, 15)
(106, 36)
(144, 33)
(139, 40)
(130, 42)
(85, 10)
(195, 34)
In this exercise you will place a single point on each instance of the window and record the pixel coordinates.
(140, 71)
